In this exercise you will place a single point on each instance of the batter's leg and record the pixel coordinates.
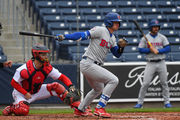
(150, 69)
(163, 79)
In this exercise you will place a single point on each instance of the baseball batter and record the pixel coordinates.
(28, 84)
(155, 62)
(101, 80)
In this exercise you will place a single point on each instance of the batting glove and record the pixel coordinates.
(60, 37)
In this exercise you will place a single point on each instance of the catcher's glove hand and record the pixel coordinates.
(73, 95)
(122, 42)
(60, 37)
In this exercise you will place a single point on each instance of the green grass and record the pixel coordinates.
(115, 110)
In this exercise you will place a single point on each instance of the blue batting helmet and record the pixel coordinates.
(110, 18)
(152, 23)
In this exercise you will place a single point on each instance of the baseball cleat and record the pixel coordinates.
(138, 106)
(7, 111)
(78, 113)
(101, 112)
(168, 105)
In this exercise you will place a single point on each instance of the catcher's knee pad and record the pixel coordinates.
(75, 104)
(21, 109)
(58, 88)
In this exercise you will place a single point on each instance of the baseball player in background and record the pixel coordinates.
(28, 83)
(155, 56)
(6, 64)
(101, 80)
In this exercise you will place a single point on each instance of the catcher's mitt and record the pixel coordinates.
(122, 42)
(72, 96)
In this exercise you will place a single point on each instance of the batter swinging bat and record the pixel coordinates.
(138, 27)
(35, 34)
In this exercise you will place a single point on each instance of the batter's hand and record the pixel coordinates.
(28, 96)
(122, 42)
(154, 50)
(7, 63)
(60, 37)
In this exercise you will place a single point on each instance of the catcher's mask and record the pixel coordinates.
(39, 49)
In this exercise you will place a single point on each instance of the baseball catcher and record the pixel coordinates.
(28, 84)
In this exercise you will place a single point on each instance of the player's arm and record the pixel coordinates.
(15, 82)
(117, 51)
(165, 49)
(18, 87)
(56, 75)
(75, 36)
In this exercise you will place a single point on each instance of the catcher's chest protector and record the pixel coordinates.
(35, 77)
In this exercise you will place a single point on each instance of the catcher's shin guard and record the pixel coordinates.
(58, 88)
(7, 110)
(21, 109)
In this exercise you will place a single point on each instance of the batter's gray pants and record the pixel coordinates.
(100, 80)
(151, 68)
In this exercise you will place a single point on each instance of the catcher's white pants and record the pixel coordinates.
(41, 94)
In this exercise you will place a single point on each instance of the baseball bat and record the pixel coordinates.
(35, 34)
(139, 28)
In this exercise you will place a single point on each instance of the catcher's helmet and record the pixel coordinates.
(110, 18)
(38, 49)
(153, 22)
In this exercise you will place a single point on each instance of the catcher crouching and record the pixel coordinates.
(28, 84)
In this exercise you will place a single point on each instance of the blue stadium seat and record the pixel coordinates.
(170, 33)
(77, 49)
(133, 40)
(81, 26)
(173, 18)
(94, 18)
(145, 4)
(147, 11)
(90, 11)
(111, 58)
(133, 57)
(74, 18)
(175, 56)
(58, 26)
(93, 24)
(87, 4)
(166, 26)
(105, 4)
(132, 11)
(85, 42)
(175, 48)
(126, 26)
(124, 3)
(131, 49)
(107, 10)
(165, 4)
(174, 40)
(69, 11)
(170, 10)
(66, 4)
(49, 19)
(127, 33)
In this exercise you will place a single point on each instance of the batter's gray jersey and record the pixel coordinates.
(100, 44)
(158, 42)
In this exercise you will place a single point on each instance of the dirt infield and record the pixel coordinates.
(115, 116)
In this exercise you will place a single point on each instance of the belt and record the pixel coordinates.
(85, 57)
(158, 60)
